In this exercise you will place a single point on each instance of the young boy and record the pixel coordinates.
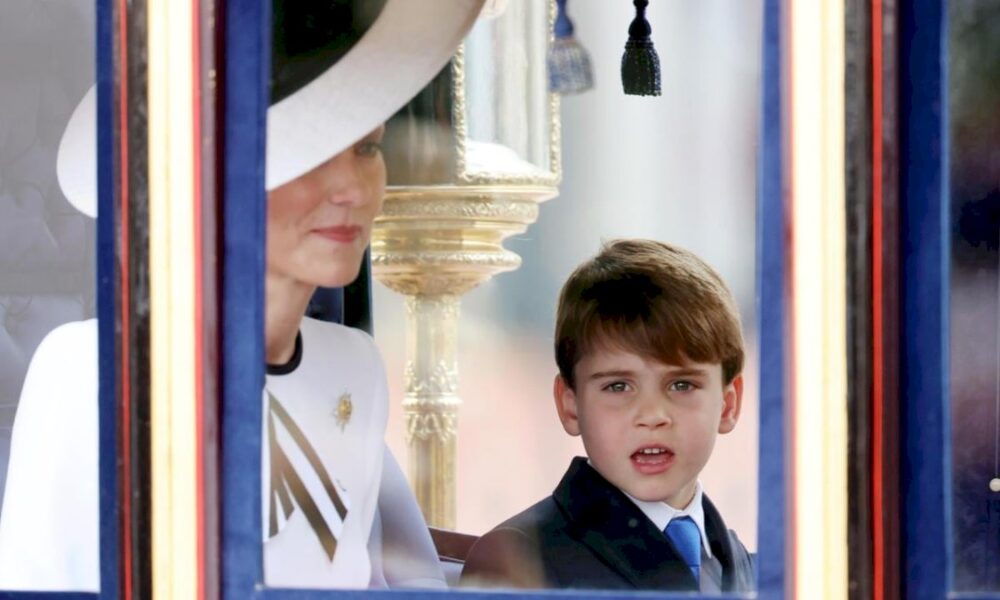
(650, 354)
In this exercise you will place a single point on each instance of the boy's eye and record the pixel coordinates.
(368, 148)
(681, 386)
(617, 387)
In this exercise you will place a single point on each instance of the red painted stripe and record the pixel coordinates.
(199, 324)
(125, 414)
(878, 356)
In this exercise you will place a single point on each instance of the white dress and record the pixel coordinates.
(49, 523)
(49, 538)
(338, 366)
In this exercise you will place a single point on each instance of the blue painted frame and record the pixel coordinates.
(247, 33)
(247, 73)
(926, 428)
(107, 301)
(773, 311)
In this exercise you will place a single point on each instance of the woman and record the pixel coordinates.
(326, 397)
(324, 462)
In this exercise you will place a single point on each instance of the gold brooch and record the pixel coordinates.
(344, 410)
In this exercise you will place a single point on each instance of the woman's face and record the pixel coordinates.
(319, 224)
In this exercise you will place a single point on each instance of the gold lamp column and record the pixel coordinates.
(469, 160)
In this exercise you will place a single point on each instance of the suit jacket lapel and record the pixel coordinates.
(719, 540)
(606, 521)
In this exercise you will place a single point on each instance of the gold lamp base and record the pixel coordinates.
(433, 244)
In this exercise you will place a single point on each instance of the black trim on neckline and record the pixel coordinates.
(292, 363)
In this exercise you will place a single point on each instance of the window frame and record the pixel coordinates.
(107, 301)
(925, 240)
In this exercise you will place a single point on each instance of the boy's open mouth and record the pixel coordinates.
(652, 458)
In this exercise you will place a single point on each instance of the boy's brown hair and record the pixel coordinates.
(650, 298)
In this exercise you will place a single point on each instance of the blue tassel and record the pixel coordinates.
(568, 61)
(640, 64)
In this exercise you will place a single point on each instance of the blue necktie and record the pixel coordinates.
(683, 532)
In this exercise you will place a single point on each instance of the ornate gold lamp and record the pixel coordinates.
(469, 161)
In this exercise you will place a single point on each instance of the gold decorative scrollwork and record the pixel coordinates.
(402, 205)
(441, 381)
(446, 307)
(412, 284)
(437, 427)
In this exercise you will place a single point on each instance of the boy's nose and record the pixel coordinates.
(653, 413)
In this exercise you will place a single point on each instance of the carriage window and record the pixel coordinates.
(974, 92)
(473, 161)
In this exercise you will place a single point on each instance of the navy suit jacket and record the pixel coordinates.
(588, 534)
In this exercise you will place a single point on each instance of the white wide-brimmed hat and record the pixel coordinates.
(325, 95)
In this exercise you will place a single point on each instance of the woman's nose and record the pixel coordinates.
(344, 181)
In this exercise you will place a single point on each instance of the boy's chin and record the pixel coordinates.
(676, 497)
(654, 497)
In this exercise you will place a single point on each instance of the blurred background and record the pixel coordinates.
(679, 168)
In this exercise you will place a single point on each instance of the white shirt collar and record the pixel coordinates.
(661, 513)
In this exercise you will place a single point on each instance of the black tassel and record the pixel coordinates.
(568, 61)
(640, 64)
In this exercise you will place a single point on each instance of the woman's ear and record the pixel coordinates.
(565, 399)
(732, 402)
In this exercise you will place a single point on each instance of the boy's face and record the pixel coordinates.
(648, 427)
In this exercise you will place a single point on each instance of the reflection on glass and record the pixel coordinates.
(48, 341)
(974, 72)
(420, 140)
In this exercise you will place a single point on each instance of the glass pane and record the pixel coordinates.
(48, 351)
(506, 94)
(679, 168)
(420, 140)
(974, 73)
(488, 117)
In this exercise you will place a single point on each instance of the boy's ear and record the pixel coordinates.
(565, 399)
(732, 402)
